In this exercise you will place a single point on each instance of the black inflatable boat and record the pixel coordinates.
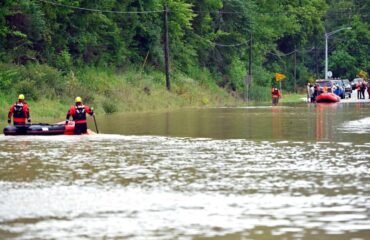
(39, 129)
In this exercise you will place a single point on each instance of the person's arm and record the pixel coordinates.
(68, 116)
(27, 112)
(89, 110)
(10, 114)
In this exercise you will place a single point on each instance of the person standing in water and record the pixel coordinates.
(276, 95)
(78, 114)
(20, 112)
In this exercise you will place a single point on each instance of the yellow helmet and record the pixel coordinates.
(78, 100)
(21, 97)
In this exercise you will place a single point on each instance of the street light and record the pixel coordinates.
(327, 35)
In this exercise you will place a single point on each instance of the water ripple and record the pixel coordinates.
(169, 188)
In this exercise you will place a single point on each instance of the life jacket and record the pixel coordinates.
(20, 112)
(363, 86)
(358, 86)
(79, 113)
(275, 92)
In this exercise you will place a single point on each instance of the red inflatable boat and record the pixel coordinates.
(327, 98)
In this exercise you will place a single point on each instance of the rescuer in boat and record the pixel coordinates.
(20, 112)
(276, 94)
(78, 113)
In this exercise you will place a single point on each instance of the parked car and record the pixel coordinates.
(355, 81)
(338, 88)
(347, 87)
(328, 84)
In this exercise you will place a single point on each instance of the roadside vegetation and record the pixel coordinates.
(110, 52)
(50, 93)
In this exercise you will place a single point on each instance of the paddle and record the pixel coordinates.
(96, 126)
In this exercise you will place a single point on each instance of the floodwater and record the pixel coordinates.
(287, 172)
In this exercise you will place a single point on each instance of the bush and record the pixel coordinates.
(109, 107)
(7, 77)
(29, 89)
(48, 80)
(64, 60)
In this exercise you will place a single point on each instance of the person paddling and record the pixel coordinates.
(78, 113)
(20, 112)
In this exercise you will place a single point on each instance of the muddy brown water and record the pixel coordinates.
(288, 172)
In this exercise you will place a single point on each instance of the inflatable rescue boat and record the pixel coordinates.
(40, 129)
(327, 98)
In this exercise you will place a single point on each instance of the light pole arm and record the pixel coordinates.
(335, 31)
(327, 35)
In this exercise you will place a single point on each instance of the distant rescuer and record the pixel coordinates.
(78, 113)
(20, 112)
(276, 94)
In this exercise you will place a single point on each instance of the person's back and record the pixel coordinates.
(78, 113)
(20, 112)
(325, 89)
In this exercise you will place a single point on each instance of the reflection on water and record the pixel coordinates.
(302, 122)
(303, 174)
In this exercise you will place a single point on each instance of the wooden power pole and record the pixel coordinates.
(166, 48)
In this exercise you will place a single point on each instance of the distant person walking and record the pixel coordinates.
(276, 95)
(363, 88)
(312, 93)
(316, 92)
(20, 112)
(358, 88)
(308, 89)
(368, 89)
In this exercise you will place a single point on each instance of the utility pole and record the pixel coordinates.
(250, 59)
(249, 78)
(316, 61)
(295, 70)
(166, 48)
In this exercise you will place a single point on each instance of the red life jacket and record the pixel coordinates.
(20, 112)
(275, 92)
(78, 113)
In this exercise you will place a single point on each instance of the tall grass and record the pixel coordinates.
(50, 92)
(260, 93)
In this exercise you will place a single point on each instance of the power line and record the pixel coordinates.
(290, 53)
(195, 11)
(230, 45)
(224, 45)
(347, 12)
(99, 10)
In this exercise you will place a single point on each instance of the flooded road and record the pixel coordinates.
(287, 172)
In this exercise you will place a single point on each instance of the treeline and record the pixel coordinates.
(224, 39)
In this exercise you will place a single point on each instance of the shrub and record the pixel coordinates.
(109, 107)
(64, 60)
(29, 89)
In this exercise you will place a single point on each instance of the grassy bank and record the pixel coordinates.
(293, 98)
(50, 92)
